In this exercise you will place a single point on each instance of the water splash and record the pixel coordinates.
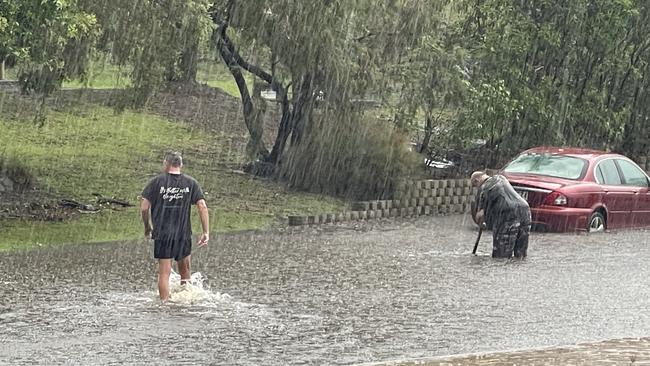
(196, 292)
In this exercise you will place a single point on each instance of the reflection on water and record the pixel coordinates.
(331, 295)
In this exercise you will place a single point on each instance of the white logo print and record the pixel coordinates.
(173, 193)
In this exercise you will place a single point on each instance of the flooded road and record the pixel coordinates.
(332, 295)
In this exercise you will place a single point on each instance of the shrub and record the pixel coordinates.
(350, 155)
(11, 168)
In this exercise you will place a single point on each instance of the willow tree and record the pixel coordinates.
(154, 41)
(51, 41)
(8, 27)
(429, 82)
(315, 53)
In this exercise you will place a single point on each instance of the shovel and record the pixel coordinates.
(478, 239)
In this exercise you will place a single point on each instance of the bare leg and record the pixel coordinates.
(184, 270)
(164, 269)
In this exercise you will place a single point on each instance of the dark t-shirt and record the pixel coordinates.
(172, 197)
(501, 203)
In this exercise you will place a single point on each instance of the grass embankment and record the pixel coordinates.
(103, 75)
(106, 76)
(89, 148)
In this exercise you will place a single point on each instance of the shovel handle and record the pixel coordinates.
(478, 239)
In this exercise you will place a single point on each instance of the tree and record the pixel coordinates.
(8, 27)
(430, 82)
(157, 41)
(52, 41)
(576, 70)
(315, 53)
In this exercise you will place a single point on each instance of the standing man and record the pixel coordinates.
(170, 197)
(505, 212)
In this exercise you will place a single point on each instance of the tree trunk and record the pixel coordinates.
(301, 107)
(247, 102)
(189, 67)
(188, 63)
(283, 132)
(294, 114)
(2, 70)
(255, 148)
(428, 131)
(287, 121)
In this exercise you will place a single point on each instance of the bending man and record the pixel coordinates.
(504, 212)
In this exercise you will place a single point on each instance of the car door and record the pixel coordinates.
(637, 181)
(618, 198)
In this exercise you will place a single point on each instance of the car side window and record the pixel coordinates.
(609, 173)
(598, 173)
(632, 174)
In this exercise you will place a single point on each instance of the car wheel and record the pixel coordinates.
(597, 223)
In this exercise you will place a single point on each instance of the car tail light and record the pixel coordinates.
(556, 199)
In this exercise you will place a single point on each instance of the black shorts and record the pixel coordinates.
(172, 248)
(511, 238)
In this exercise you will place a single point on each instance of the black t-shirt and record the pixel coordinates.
(501, 203)
(172, 197)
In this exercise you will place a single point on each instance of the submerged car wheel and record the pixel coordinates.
(597, 223)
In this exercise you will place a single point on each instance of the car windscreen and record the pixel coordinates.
(560, 166)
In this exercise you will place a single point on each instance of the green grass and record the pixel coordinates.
(103, 75)
(90, 148)
(214, 74)
(217, 75)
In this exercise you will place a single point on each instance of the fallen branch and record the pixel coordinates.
(111, 200)
(78, 205)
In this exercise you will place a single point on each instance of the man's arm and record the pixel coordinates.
(481, 205)
(205, 222)
(480, 218)
(145, 205)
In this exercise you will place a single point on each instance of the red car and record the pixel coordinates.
(572, 189)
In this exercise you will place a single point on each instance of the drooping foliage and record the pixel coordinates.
(154, 41)
(50, 40)
(323, 59)
(557, 72)
(509, 73)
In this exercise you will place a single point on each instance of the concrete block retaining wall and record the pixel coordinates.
(412, 199)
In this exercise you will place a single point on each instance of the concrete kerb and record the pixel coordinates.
(297, 220)
(625, 351)
(361, 206)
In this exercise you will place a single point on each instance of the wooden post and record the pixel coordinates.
(2, 70)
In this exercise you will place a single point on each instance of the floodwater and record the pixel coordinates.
(330, 295)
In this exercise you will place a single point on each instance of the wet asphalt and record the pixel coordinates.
(325, 296)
